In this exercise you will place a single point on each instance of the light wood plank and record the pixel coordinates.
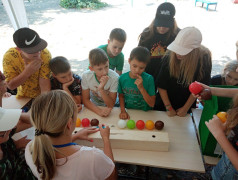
(14, 103)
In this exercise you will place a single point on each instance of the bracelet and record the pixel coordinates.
(169, 109)
(167, 105)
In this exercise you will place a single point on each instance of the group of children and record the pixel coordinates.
(167, 59)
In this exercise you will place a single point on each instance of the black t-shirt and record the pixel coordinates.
(217, 80)
(157, 45)
(179, 93)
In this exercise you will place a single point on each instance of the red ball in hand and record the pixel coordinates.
(195, 88)
(140, 124)
(85, 122)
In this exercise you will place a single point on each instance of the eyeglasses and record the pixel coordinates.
(3, 135)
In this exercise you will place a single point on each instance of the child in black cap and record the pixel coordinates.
(158, 35)
(26, 66)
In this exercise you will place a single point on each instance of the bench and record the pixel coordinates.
(207, 2)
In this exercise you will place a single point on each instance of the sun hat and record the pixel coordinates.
(165, 15)
(9, 118)
(187, 39)
(28, 40)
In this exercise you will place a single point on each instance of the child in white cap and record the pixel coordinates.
(187, 61)
(12, 161)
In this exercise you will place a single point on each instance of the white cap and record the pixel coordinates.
(187, 39)
(9, 118)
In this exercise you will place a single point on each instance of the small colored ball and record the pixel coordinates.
(140, 124)
(85, 122)
(149, 125)
(78, 122)
(131, 124)
(121, 123)
(195, 88)
(222, 116)
(206, 94)
(159, 125)
(94, 122)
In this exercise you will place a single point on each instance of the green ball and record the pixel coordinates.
(131, 124)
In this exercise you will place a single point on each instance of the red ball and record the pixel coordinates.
(195, 88)
(140, 124)
(85, 122)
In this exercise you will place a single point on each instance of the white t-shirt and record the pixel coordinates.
(86, 164)
(89, 81)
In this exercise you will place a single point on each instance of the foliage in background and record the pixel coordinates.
(80, 4)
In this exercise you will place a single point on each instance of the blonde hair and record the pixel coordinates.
(150, 31)
(183, 70)
(232, 115)
(231, 66)
(50, 113)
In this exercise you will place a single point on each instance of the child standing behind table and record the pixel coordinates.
(99, 84)
(116, 42)
(228, 77)
(136, 88)
(63, 78)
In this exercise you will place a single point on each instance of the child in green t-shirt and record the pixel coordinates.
(136, 88)
(113, 49)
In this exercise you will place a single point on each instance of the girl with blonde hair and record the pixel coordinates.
(53, 155)
(187, 61)
(227, 136)
(160, 33)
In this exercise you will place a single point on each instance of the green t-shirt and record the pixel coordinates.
(132, 95)
(115, 62)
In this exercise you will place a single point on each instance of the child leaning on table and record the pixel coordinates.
(116, 42)
(136, 88)
(99, 84)
(52, 153)
(63, 78)
(227, 167)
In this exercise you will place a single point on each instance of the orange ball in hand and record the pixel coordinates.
(149, 125)
(222, 116)
(78, 122)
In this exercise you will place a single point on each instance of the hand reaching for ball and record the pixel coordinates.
(124, 115)
(104, 132)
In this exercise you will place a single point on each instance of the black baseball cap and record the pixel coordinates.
(28, 40)
(165, 15)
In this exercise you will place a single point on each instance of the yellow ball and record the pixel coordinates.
(78, 122)
(149, 125)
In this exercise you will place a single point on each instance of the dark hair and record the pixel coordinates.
(97, 57)
(141, 54)
(118, 34)
(59, 64)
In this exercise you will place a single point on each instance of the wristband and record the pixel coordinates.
(169, 109)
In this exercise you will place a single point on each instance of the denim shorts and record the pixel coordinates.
(224, 170)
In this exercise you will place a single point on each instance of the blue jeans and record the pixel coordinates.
(224, 170)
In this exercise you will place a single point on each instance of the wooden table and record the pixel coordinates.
(197, 116)
(184, 152)
(14, 103)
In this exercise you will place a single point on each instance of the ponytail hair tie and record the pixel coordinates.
(39, 132)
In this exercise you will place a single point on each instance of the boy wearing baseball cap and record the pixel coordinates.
(26, 66)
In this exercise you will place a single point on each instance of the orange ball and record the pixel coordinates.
(222, 116)
(78, 122)
(149, 125)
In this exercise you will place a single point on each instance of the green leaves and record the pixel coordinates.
(80, 4)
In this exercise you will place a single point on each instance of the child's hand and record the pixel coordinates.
(103, 81)
(66, 85)
(79, 106)
(105, 112)
(33, 66)
(199, 95)
(181, 112)
(104, 132)
(215, 126)
(7, 94)
(171, 113)
(124, 115)
(139, 82)
(21, 143)
(83, 133)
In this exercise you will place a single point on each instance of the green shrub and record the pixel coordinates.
(80, 4)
